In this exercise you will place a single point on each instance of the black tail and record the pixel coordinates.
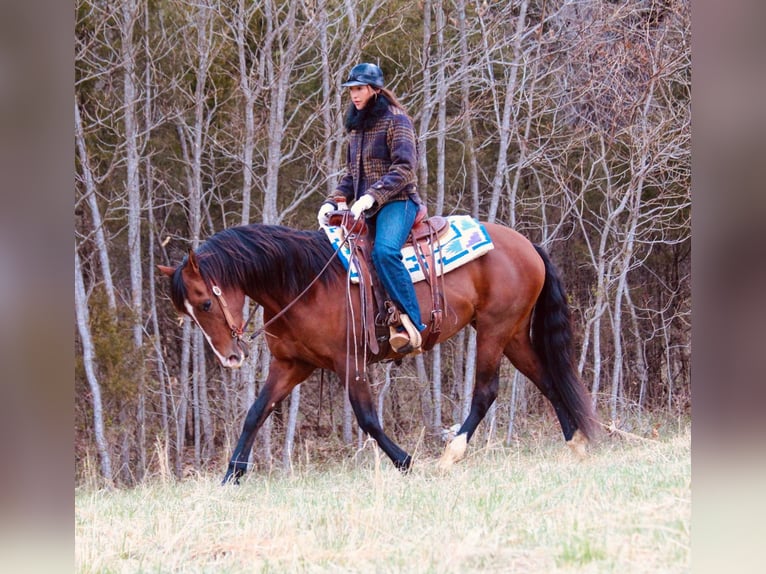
(552, 340)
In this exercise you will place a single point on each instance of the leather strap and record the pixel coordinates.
(424, 252)
(359, 253)
(236, 330)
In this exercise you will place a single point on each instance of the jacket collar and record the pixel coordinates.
(365, 118)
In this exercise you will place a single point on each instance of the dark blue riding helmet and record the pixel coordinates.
(365, 75)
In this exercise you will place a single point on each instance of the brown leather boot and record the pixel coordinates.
(408, 341)
(399, 339)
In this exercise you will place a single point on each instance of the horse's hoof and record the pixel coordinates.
(578, 444)
(454, 451)
(405, 466)
(232, 476)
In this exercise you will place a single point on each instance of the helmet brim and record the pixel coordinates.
(354, 83)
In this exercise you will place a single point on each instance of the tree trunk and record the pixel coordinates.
(465, 93)
(441, 101)
(513, 406)
(426, 110)
(184, 386)
(458, 376)
(280, 64)
(264, 435)
(161, 367)
(91, 194)
(198, 354)
(470, 373)
(425, 394)
(436, 386)
(622, 289)
(89, 363)
(441, 135)
(292, 423)
(248, 93)
(508, 106)
(328, 147)
(640, 367)
(348, 417)
(130, 12)
(382, 394)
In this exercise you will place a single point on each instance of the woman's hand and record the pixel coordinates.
(323, 217)
(362, 204)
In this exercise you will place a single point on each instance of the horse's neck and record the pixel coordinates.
(277, 302)
(268, 302)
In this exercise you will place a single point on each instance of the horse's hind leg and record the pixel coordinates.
(283, 376)
(484, 394)
(523, 356)
(367, 416)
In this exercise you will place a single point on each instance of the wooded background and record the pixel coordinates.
(569, 120)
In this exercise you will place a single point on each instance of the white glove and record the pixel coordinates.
(362, 204)
(323, 217)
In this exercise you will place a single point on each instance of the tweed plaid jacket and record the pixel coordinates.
(382, 161)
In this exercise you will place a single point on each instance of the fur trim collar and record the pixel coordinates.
(365, 118)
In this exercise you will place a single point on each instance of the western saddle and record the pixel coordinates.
(378, 312)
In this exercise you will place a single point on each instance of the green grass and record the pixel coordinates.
(625, 509)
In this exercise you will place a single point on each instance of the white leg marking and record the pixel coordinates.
(578, 444)
(454, 451)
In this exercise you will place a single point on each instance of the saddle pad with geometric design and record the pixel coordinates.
(464, 240)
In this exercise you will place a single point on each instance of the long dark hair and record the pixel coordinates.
(376, 107)
(393, 100)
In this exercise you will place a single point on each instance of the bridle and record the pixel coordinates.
(236, 331)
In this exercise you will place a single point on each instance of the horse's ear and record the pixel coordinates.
(193, 261)
(165, 270)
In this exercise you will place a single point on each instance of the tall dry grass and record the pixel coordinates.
(521, 509)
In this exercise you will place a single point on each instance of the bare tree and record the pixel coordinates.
(504, 128)
(201, 52)
(89, 362)
(467, 105)
(426, 110)
(91, 195)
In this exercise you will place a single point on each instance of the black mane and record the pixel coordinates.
(271, 258)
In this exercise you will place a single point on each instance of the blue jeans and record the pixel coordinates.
(392, 225)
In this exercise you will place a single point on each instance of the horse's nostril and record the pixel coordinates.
(234, 359)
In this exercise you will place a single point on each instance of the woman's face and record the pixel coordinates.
(360, 95)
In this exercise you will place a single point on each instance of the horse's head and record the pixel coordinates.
(216, 310)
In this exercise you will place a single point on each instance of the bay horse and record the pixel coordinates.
(512, 296)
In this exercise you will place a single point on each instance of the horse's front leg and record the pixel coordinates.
(283, 376)
(360, 396)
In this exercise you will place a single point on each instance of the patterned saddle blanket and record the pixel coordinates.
(463, 240)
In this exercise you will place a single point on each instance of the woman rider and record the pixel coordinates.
(381, 163)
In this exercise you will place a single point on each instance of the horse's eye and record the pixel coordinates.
(206, 306)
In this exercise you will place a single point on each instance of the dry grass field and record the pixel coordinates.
(526, 508)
